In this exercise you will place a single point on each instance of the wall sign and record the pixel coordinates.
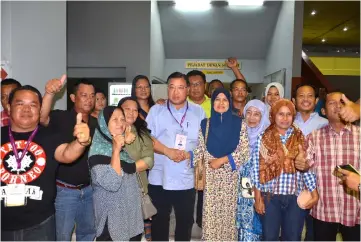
(207, 65)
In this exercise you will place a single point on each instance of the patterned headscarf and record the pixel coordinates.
(102, 139)
(276, 157)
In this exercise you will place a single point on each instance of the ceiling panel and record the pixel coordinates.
(219, 32)
(328, 22)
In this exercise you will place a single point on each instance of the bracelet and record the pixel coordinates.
(85, 143)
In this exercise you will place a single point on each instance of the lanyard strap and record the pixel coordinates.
(15, 150)
(184, 115)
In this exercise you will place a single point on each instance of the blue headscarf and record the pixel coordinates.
(263, 124)
(224, 129)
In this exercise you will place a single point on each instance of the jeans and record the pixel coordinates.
(183, 203)
(74, 207)
(45, 231)
(282, 212)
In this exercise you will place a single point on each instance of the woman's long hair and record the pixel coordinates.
(134, 84)
(139, 124)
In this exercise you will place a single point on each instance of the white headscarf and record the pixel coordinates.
(280, 89)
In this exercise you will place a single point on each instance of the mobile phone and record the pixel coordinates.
(348, 167)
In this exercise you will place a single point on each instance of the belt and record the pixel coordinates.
(78, 187)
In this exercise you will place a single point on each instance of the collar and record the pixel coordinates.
(206, 98)
(181, 110)
(347, 128)
(299, 116)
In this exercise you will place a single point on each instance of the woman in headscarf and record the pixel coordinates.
(142, 149)
(248, 222)
(276, 181)
(223, 151)
(117, 197)
(274, 92)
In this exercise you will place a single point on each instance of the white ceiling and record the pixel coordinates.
(218, 33)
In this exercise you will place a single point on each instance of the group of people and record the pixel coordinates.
(256, 168)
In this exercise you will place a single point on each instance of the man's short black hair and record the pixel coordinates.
(98, 90)
(10, 81)
(197, 73)
(25, 88)
(239, 80)
(81, 81)
(216, 80)
(305, 85)
(178, 74)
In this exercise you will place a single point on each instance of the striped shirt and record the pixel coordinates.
(325, 150)
(285, 183)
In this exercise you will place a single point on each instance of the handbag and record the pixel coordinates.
(148, 208)
(246, 188)
(200, 170)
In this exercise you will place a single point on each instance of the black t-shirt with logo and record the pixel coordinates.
(37, 172)
(76, 173)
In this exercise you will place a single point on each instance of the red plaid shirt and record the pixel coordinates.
(325, 149)
(4, 119)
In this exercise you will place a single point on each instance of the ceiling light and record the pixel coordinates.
(313, 12)
(323, 40)
(245, 2)
(192, 5)
(338, 50)
(345, 29)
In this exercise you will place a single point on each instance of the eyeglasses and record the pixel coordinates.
(142, 87)
(197, 84)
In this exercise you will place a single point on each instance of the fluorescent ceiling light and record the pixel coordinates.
(245, 2)
(193, 5)
(313, 12)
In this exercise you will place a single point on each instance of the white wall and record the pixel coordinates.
(157, 56)
(110, 34)
(253, 70)
(33, 40)
(280, 52)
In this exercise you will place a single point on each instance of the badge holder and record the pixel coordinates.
(180, 140)
(15, 196)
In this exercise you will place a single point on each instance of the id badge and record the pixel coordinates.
(15, 196)
(180, 140)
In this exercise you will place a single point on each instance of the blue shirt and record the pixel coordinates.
(164, 127)
(314, 122)
(285, 183)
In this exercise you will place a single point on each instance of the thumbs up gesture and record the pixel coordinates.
(81, 131)
(129, 136)
(350, 111)
(301, 163)
(54, 86)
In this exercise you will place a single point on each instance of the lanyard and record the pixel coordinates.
(15, 150)
(184, 115)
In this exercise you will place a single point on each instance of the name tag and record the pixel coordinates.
(15, 196)
(180, 140)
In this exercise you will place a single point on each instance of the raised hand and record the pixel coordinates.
(54, 86)
(129, 136)
(232, 62)
(81, 131)
(118, 142)
(350, 111)
(301, 163)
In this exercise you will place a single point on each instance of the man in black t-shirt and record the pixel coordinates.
(28, 168)
(74, 200)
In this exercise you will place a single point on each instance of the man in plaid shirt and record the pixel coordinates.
(338, 143)
(7, 85)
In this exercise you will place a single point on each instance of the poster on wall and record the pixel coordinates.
(5, 69)
(117, 91)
